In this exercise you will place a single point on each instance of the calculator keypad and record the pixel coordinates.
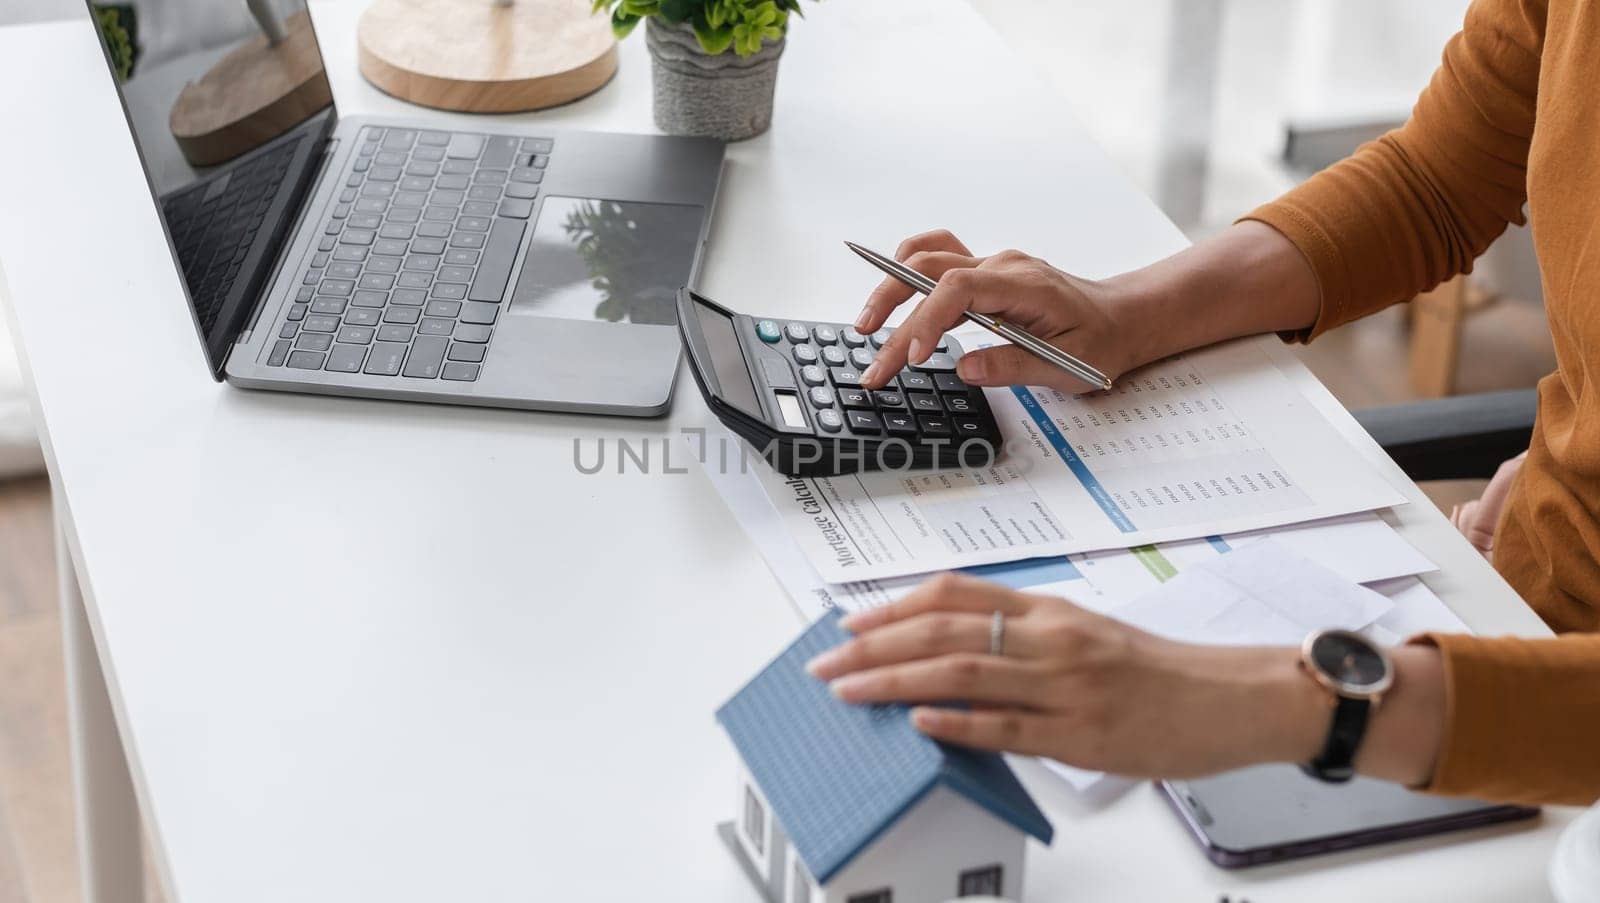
(925, 400)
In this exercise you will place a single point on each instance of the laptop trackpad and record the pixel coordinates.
(613, 261)
(592, 320)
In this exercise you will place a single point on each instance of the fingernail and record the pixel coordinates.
(819, 665)
(924, 719)
(971, 368)
(851, 621)
(847, 686)
(861, 318)
(914, 352)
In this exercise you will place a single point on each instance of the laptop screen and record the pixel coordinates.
(228, 104)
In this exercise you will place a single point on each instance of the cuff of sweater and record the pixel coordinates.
(1320, 252)
(1466, 728)
(1519, 719)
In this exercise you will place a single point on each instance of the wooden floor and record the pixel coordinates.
(1364, 364)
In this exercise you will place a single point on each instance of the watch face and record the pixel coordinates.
(1349, 661)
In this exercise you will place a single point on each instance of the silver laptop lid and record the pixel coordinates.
(229, 107)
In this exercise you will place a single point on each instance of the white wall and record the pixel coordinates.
(922, 857)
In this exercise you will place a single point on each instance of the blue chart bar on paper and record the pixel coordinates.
(1026, 573)
(1073, 462)
(1220, 544)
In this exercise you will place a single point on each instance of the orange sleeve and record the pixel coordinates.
(1416, 206)
(1522, 719)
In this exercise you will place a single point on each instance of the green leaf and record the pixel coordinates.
(622, 24)
(676, 11)
(714, 40)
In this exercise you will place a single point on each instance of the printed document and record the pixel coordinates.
(1213, 442)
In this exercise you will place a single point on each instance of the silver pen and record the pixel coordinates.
(999, 327)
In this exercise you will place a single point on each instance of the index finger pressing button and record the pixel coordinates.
(936, 363)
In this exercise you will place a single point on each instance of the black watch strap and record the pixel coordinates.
(1336, 763)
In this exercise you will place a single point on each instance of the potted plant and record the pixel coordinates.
(714, 62)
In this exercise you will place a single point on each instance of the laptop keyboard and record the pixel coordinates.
(214, 223)
(414, 258)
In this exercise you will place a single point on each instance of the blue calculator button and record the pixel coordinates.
(768, 331)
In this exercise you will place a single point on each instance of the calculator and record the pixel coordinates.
(792, 389)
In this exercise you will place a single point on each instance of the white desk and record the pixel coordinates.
(375, 651)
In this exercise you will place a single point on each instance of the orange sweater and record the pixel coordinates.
(1511, 116)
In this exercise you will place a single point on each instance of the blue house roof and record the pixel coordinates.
(838, 775)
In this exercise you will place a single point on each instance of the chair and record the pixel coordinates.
(1460, 438)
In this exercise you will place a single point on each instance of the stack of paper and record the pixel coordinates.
(1203, 499)
(1214, 443)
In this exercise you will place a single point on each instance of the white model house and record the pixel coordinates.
(838, 803)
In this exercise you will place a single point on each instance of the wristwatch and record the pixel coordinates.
(1356, 674)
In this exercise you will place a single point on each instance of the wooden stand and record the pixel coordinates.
(254, 94)
(478, 57)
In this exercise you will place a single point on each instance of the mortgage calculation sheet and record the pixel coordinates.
(1217, 441)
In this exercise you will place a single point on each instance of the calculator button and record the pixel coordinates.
(916, 382)
(949, 382)
(825, 335)
(881, 336)
(934, 426)
(813, 375)
(822, 397)
(844, 376)
(855, 398)
(805, 354)
(768, 331)
(968, 425)
(944, 344)
(938, 361)
(864, 422)
(797, 333)
(861, 358)
(833, 356)
(830, 420)
(852, 338)
(889, 399)
(922, 401)
(899, 423)
(958, 404)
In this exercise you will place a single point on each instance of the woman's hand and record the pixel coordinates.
(1076, 315)
(1075, 686)
(1477, 519)
(1248, 279)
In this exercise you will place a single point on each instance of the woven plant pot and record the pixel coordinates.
(723, 96)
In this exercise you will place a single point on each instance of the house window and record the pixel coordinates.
(799, 883)
(755, 821)
(980, 882)
(882, 895)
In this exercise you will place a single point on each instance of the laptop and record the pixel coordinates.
(506, 264)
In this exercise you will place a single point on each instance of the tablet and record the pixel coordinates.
(1270, 813)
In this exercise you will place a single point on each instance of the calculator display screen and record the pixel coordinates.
(789, 409)
(727, 361)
